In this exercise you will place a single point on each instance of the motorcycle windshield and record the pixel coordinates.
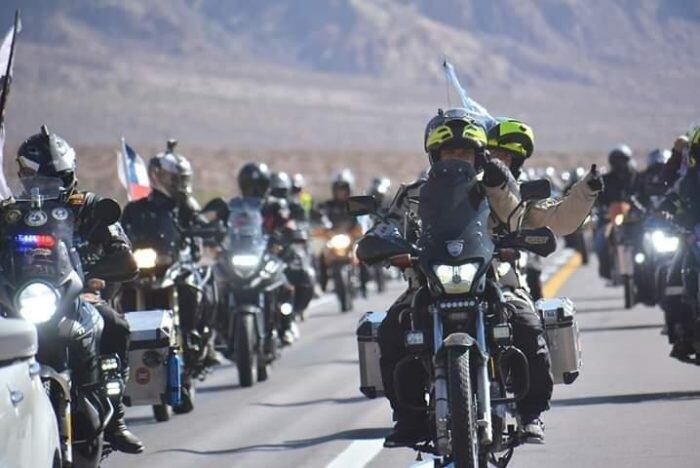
(454, 216)
(245, 222)
(47, 188)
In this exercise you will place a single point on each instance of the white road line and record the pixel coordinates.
(357, 454)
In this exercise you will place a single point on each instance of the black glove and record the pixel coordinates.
(495, 173)
(595, 181)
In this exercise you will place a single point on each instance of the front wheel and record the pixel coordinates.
(162, 413)
(246, 351)
(343, 286)
(89, 453)
(465, 445)
(629, 291)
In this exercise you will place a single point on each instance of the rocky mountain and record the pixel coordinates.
(353, 74)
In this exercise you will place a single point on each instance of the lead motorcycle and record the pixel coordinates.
(254, 293)
(459, 327)
(42, 281)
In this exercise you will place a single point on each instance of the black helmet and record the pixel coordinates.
(658, 157)
(254, 180)
(280, 184)
(298, 183)
(343, 180)
(620, 158)
(379, 188)
(171, 173)
(47, 154)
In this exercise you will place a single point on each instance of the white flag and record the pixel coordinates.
(6, 65)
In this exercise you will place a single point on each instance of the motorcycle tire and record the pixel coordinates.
(187, 402)
(343, 288)
(247, 357)
(89, 453)
(364, 280)
(162, 413)
(583, 248)
(263, 371)
(462, 404)
(380, 278)
(628, 282)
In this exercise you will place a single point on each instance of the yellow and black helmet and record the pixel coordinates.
(694, 146)
(453, 128)
(513, 136)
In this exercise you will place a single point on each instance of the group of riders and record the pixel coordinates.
(171, 219)
(496, 155)
(645, 235)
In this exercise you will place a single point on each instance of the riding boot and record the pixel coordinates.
(119, 436)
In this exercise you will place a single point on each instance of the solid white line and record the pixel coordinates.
(357, 454)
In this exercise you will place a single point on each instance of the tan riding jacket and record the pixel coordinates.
(563, 215)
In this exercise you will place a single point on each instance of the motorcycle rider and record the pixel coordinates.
(620, 183)
(300, 195)
(284, 219)
(254, 180)
(105, 253)
(683, 204)
(651, 183)
(454, 135)
(170, 175)
(672, 169)
(334, 210)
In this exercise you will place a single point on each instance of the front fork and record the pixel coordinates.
(483, 389)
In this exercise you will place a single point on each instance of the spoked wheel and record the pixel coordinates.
(162, 413)
(247, 357)
(465, 444)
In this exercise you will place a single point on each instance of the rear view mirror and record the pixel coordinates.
(535, 190)
(216, 209)
(362, 205)
(108, 211)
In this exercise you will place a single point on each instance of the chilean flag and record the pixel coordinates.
(133, 173)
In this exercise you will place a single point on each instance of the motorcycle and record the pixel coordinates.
(254, 285)
(42, 283)
(459, 327)
(169, 262)
(338, 262)
(625, 238)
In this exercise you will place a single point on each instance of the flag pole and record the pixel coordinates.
(125, 168)
(6, 81)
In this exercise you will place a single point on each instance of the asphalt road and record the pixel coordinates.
(633, 406)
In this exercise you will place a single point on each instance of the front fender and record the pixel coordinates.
(463, 340)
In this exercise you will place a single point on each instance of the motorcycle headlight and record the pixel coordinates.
(145, 258)
(456, 279)
(245, 265)
(340, 242)
(619, 219)
(37, 302)
(664, 243)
